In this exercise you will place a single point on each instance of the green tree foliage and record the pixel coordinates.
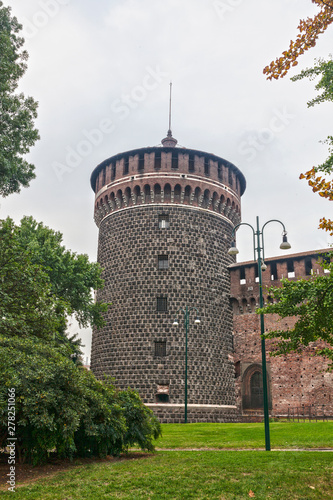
(42, 283)
(59, 405)
(27, 305)
(63, 408)
(17, 112)
(311, 303)
(72, 277)
(319, 184)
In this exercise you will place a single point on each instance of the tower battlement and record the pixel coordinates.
(156, 175)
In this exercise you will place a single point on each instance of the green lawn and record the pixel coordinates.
(205, 474)
(250, 436)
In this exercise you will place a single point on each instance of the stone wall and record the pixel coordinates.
(196, 243)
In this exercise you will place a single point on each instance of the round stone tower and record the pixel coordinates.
(165, 216)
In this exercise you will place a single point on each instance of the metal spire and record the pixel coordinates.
(169, 141)
(170, 110)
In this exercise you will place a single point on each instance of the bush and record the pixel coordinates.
(63, 407)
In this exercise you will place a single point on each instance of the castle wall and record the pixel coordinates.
(296, 380)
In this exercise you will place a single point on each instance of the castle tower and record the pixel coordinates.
(165, 216)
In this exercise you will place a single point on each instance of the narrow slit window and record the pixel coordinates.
(113, 172)
(290, 269)
(219, 171)
(162, 304)
(242, 278)
(308, 267)
(141, 162)
(163, 262)
(174, 160)
(206, 165)
(158, 159)
(230, 178)
(274, 275)
(160, 348)
(163, 221)
(191, 163)
(126, 166)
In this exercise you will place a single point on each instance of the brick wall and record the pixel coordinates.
(295, 380)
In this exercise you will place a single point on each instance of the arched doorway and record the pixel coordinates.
(252, 388)
(256, 391)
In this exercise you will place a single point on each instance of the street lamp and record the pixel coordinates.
(257, 247)
(186, 312)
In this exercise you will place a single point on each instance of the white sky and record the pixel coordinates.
(101, 72)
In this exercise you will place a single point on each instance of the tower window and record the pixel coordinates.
(162, 304)
(191, 163)
(206, 165)
(274, 275)
(230, 177)
(141, 161)
(157, 161)
(160, 348)
(163, 221)
(113, 172)
(162, 398)
(256, 273)
(174, 160)
(242, 278)
(126, 166)
(308, 267)
(163, 262)
(290, 269)
(219, 171)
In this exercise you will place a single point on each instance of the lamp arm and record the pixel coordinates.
(253, 231)
(262, 233)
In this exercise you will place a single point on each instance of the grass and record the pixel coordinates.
(221, 474)
(248, 436)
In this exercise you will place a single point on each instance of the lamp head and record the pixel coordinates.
(175, 323)
(233, 250)
(285, 245)
(197, 321)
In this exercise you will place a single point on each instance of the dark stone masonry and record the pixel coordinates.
(165, 216)
(165, 219)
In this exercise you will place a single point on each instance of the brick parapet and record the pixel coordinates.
(167, 175)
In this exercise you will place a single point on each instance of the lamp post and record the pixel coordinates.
(258, 246)
(186, 312)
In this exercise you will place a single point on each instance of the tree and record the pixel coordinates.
(58, 404)
(72, 277)
(309, 31)
(17, 132)
(27, 305)
(318, 183)
(43, 283)
(310, 302)
(62, 407)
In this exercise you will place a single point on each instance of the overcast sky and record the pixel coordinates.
(101, 71)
